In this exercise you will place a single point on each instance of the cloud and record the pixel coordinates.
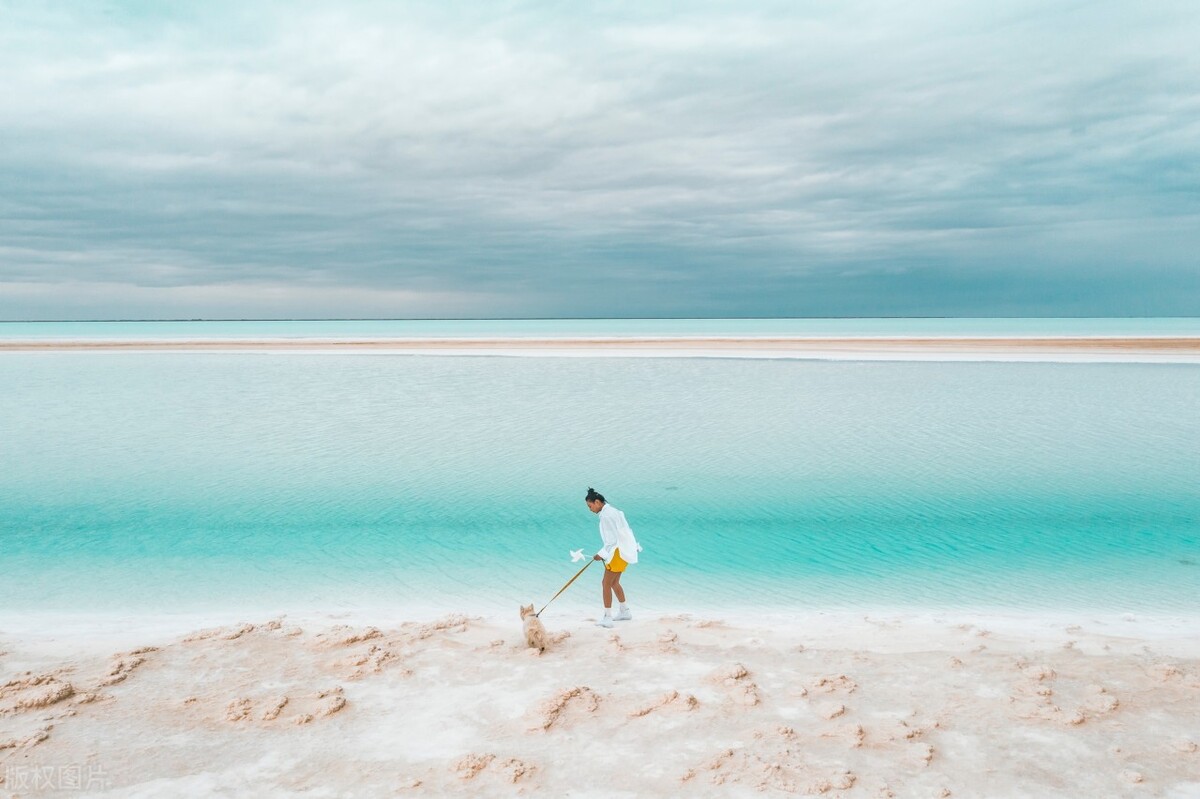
(856, 158)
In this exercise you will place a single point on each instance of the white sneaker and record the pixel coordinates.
(605, 622)
(623, 615)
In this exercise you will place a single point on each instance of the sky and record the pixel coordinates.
(395, 160)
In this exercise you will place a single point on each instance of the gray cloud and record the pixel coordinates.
(835, 159)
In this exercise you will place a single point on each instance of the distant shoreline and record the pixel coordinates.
(1181, 348)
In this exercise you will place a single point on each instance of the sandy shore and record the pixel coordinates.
(1167, 349)
(847, 705)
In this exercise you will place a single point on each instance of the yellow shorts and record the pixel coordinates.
(617, 564)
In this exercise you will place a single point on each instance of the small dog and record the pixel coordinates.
(535, 633)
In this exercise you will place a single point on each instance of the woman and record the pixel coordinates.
(619, 550)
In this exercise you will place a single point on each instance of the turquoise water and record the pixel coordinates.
(185, 481)
(551, 328)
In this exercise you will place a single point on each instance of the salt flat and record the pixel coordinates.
(826, 704)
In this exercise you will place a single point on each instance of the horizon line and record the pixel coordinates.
(554, 318)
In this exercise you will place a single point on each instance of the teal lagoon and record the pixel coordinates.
(184, 482)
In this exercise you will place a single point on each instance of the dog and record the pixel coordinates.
(535, 633)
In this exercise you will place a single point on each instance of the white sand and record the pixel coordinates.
(832, 704)
(1112, 349)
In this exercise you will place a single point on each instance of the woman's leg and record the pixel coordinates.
(607, 586)
(616, 586)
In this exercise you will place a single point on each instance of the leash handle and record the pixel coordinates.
(568, 585)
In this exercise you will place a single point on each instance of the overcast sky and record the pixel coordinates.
(264, 160)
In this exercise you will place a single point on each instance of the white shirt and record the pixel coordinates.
(615, 532)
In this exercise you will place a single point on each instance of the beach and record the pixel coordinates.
(827, 704)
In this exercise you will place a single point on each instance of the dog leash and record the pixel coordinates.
(568, 585)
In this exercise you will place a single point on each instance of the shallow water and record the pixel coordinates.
(185, 481)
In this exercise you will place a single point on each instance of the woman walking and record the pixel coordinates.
(620, 549)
